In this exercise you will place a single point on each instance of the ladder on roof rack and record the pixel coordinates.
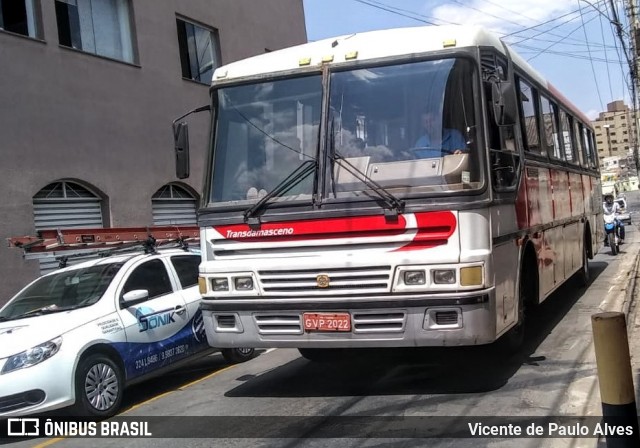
(65, 243)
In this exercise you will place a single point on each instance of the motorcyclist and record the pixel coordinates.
(611, 207)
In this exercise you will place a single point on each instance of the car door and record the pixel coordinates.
(155, 325)
(186, 269)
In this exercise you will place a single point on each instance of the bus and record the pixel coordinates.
(408, 187)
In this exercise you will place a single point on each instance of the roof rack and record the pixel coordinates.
(66, 243)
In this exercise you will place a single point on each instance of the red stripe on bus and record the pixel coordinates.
(431, 226)
(362, 226)
(434, 229)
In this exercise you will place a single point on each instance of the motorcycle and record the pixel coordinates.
(613, 233)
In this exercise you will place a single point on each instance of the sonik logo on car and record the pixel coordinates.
(154, 319)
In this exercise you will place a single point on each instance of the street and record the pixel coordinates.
(555, 374)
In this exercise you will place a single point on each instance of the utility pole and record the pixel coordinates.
(634, 65)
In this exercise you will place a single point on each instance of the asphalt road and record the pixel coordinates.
(555, 374)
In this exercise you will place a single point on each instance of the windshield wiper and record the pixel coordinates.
(46, 310)
(293, 179)
(395, 205)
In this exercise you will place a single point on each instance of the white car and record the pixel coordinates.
(80, 335)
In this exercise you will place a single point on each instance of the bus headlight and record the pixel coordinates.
(444, 276)
(415, 278)
(220, 284)
(243, 283)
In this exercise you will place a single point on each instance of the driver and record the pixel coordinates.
(429, 144)
(611, 207)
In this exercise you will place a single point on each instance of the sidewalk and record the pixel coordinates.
(632, 313)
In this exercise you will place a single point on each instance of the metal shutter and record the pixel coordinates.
(173, 205)
(174, 211)
(71, 206)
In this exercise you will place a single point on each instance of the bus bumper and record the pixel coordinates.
(409, 321)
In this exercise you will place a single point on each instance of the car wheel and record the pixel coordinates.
(238, 355)
(99, 386)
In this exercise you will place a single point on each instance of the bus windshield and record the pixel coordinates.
(408, 127)
(264, 132)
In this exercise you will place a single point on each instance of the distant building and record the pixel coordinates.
(89, 91)
(615, 131)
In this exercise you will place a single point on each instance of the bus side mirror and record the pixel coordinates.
(504, 103)
(181, 142)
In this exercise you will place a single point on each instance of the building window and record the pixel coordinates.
(198, 51)
(20, 17)
(101, 27)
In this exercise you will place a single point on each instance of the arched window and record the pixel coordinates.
(174, 205)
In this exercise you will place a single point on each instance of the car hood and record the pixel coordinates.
(21, 334)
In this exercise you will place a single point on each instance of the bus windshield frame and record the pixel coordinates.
(373, 118)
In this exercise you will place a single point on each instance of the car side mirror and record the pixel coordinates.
(135, 296)
(181, 145)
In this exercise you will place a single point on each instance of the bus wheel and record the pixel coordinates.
(322, 354)
(513, 340)
(583, 273)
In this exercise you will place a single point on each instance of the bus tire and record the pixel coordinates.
(513, 340)
(583, 274)
(322, 354)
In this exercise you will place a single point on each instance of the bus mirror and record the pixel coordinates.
(504, 110)
(181, 141)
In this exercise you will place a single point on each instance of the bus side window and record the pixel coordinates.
(528, 117)
(503, 154)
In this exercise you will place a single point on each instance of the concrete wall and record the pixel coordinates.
(67, 114)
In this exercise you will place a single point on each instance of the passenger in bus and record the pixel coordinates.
(428, 145)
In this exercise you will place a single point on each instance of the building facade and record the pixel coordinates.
(615, 131)
(89, 91)
(616, 142)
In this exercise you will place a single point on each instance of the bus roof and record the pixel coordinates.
(378, 44)
(368, 45)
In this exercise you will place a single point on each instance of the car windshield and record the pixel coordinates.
(62, 291)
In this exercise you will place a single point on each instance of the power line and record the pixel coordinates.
(413, 13)
(364, 2)
(536, 50)
(544, 23)
(593, 70)
(556, 42)
(625, 84)
(605, 55)
(557, 26)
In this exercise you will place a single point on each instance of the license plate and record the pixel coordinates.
(326, 321)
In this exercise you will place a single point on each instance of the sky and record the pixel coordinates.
(572, 43)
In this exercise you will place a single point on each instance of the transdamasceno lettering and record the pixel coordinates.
(257, 233)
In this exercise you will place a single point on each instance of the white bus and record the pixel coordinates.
(407, 187)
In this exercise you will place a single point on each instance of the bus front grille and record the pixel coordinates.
(326, 281)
